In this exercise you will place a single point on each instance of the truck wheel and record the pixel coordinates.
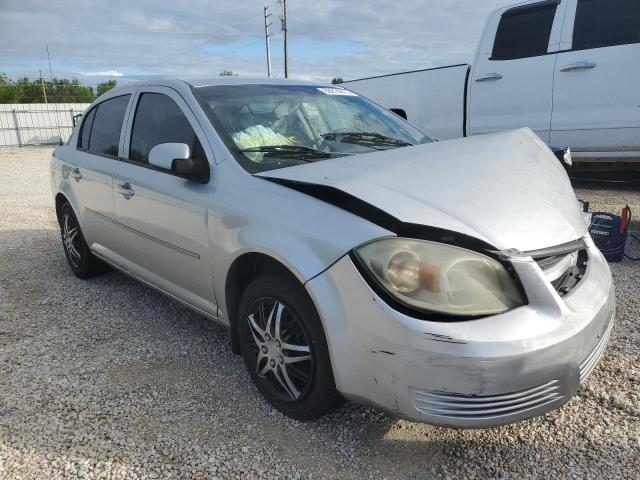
(284, 348)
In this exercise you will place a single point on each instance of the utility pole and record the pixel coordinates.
(49, 58)
(285, 30)
(44, 90)
(266, 39)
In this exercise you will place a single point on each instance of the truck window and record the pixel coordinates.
(603, 23)
(524, 31)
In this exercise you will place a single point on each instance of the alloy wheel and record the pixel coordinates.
(281, 347)
(71, 240)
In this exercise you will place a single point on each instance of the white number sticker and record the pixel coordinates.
(337, 91)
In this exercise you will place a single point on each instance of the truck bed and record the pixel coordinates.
(433, 99)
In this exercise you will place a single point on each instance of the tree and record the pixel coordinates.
(105, 87)
(228, 73)
(24, 90)
(8, 93)
(337, 80)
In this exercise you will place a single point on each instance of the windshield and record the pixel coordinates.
(274, 126)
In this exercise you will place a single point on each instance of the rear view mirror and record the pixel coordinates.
(400, 112)
(176, 157)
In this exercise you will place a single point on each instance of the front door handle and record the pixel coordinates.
(125, 190)
(75, 173)
(578, 66)
(489, 77)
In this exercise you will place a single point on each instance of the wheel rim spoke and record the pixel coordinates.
(263, 372)
(74, 252)
(284, 379)
(253, 327)
(302, 358)
(295, 348)
(281, 347)
(71, 240)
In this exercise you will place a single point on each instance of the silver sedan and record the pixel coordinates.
(350, 255)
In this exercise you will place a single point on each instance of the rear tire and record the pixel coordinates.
(284, 348)
(79, 257)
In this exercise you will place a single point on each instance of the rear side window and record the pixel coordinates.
(158, 119)
(107, 124)
(603, 23)
(85, 130)
(524, 31)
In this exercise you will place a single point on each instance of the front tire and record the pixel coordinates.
(284, 348)
(79, 257)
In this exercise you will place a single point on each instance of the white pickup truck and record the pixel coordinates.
(568, 69)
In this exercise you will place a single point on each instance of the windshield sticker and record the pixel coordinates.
(337, 91)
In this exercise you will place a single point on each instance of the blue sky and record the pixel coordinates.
(131, 39)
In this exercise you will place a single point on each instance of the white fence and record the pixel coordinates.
(37, 123)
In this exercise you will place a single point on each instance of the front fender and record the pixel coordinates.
(303, 233)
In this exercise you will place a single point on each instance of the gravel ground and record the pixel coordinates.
(108, 379)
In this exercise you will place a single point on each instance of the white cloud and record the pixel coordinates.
(163, 38)
(108, 73)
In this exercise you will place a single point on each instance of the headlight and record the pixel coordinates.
(439, 278)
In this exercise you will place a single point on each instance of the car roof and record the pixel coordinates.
(223, 80)
(184, 84)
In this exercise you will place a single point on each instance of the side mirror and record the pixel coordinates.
(176, 157)
(563, 154)
(164, 154)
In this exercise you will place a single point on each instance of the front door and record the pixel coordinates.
(511, 84)
(164, 235)
(597, 97)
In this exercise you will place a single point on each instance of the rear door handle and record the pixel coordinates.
(578, 66)
(125, 190)
(489, 77)
(75, 173)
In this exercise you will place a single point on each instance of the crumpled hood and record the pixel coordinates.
(507, 189)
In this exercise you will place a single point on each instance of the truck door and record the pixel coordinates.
(596, 96)
(511, 82)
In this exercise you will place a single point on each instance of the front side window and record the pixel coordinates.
(275, 126)
(604, 23)
(524, 31)
(158, 119)
(107, 125)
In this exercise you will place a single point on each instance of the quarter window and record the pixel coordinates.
(85, 130)
(158, 120)
(603, 23)
(107, 124)
(524, 31)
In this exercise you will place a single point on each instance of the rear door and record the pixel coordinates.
(597, 95)
(164, 235)
(90, 171)
(511, 82)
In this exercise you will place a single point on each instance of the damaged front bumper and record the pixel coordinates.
(471, 374)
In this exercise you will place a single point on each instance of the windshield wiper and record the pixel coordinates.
(288, 151)
(368, 139)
